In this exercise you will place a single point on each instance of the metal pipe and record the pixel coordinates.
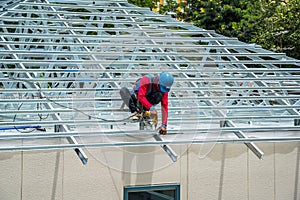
(147, 143)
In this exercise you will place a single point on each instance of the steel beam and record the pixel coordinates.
(55, 116)
(104, 45)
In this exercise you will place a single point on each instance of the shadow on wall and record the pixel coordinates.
(297, 175)
(56, 175)
(215, 151)
(8, 155)
(138, 160)
(222, 152)
(53, 166)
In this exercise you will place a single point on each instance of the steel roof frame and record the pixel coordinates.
(68, 59)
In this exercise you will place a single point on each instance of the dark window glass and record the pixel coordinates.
(157, 192)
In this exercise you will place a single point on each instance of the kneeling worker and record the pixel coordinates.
(149, 91)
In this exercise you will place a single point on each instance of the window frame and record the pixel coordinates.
(143, 188)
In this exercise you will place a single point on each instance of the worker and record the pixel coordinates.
(148, 91)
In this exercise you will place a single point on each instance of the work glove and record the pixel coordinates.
(162, 130)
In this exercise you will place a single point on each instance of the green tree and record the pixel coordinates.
(220, 15)
(231, 14)
(279, 29)
(204, 14)
(144, 3)
(251, 17)
(273, 24)
(169, 6)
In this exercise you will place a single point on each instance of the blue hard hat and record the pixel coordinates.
(166, 81)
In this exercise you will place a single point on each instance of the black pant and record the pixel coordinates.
(131, 100)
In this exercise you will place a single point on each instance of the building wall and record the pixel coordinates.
(221, 171)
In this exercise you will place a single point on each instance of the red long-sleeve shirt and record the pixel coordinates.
(144, 86)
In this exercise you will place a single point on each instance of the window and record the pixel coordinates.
(152, 192)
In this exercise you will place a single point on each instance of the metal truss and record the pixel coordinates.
(63, 63)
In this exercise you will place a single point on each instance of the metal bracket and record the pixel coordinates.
(240, 134)
(80, 153)
(296, 122)
(171, 153)
(166, 148)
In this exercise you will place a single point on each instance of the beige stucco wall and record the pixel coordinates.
(222, 171)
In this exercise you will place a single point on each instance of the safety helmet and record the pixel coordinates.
(166, 81)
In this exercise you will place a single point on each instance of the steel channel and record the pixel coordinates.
(148, 143)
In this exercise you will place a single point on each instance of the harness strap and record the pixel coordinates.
(136, 85)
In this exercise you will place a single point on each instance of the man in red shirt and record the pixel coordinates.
(147, 92)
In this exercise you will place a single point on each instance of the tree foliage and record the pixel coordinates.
(274, 24)
(144, 3)
(219, 15)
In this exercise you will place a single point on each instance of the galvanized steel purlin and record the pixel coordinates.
(80, 53)
(47, 105)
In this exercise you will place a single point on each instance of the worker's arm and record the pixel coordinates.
(164, 110)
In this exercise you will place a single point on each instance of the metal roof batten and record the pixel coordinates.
(69, 58)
